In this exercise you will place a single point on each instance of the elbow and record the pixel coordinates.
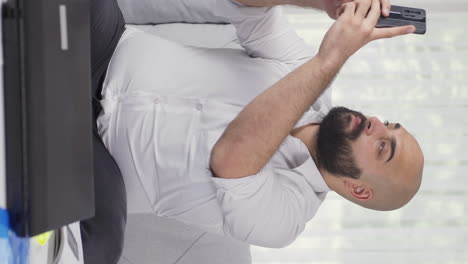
(224, 165)
(228, 161)
(220, 170)
(215, 170)
(217, 165)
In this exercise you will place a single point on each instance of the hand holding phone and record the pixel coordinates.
(402, 16)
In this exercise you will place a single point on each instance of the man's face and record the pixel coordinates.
(387, 152)
(365, 145)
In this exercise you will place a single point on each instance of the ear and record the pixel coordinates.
(359, 190)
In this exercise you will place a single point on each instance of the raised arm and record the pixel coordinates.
(264, 32)
(254, 135)
(329, 6)
(303, 3)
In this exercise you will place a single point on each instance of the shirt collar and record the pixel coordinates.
(309, 168)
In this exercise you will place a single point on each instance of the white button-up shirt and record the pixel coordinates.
(166, 104)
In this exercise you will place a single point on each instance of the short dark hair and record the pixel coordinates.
(334, 152)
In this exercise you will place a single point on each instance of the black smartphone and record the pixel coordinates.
(402, 16)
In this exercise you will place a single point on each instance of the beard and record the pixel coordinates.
(334, 151)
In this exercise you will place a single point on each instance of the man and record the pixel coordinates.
(233, 142)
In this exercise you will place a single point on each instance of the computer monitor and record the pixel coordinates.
(48, 119)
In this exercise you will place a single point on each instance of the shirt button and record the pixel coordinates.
(156, 100)
(199, 106)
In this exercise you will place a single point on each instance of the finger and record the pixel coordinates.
(363, 8)
(339, 7)
(385, 7)
(341, 2)
(374, 13)
(380, 33)
(348, 9)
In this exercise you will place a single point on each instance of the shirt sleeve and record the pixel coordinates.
(145, 12)
(264, 32)
(269, 209)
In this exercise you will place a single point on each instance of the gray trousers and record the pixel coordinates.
(102, 235)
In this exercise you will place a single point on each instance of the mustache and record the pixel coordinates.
(335, 124)
(360, 128)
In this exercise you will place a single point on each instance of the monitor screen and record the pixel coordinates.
(48, 119)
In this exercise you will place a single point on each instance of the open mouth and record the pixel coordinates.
(355, 121)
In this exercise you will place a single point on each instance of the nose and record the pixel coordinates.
(374, 126)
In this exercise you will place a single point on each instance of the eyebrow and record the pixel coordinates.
(392, 147)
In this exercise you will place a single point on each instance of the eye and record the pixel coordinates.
(386, 123)
(381, 146)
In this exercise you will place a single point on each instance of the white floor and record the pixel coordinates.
(421, 82)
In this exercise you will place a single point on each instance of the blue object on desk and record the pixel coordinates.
(5, 250)
(4, 223)
(13, 249)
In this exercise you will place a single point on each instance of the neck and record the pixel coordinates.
(308, 134)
